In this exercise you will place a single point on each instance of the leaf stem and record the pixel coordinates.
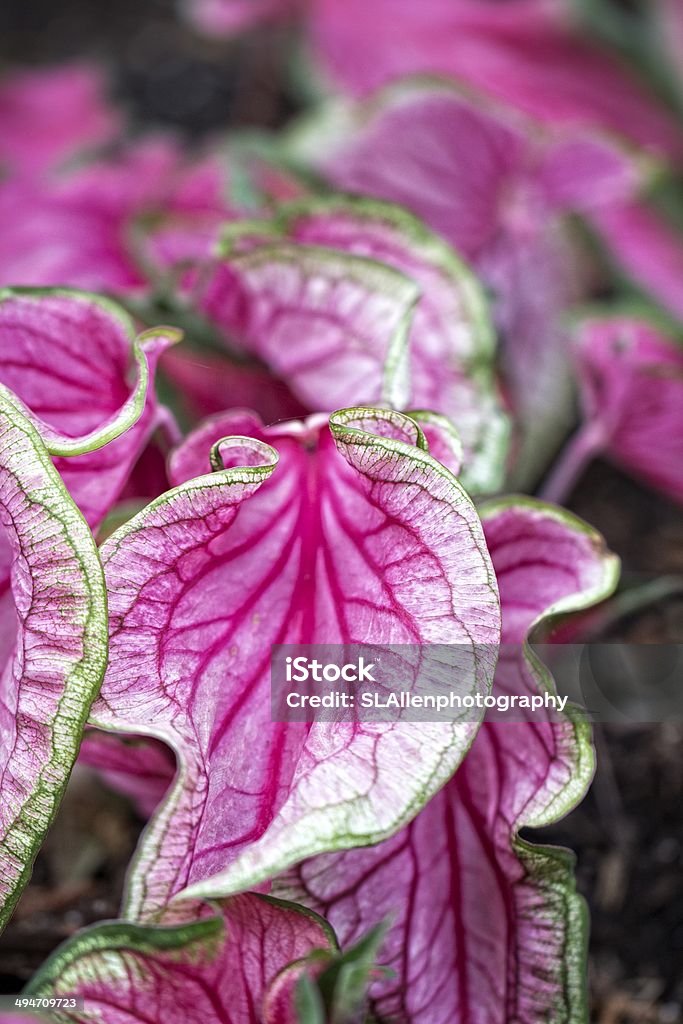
(582, 447)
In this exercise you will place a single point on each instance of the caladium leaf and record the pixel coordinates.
(492, 188)
(32, 139)
(346, 533)
(646, 248)
(333, 359)
(330, 324)
(218, 968)
(113, 225)
(67, 355)
(524, 53)
(487, 927)
(451, 341)
(427, 146)
(53, 642)
(631, 376)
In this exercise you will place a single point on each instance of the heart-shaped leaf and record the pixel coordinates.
(347, 533)
(319, 338)
(451, 341)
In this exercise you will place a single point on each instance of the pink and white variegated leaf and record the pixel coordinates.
(451, 340)
(219, 969)
(347, 532)
(84, 378)
(631, 378)
(487, 928)
(326, 355)
(53, 642)
(483, 180)
(332, 325)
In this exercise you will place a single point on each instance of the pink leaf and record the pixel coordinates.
(524, 53)
(32, 139)
(53, 642)
(112, 224)
(68, 358)
(632, 387)
(487, 183)
(305, 309)
(649, 250)
(519, 52)
(487, 928)
(347, 533)
(218, 969)
(432, 149)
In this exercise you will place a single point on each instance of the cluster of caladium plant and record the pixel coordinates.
(342, 528)
(348, 377)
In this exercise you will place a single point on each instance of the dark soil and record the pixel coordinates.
(628, 833)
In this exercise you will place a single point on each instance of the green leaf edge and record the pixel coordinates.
(129, 937)
(85, 677)
(551, 864)
(59, 444)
